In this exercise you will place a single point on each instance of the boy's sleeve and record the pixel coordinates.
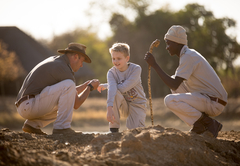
(105, 85)
(131, 81)
(112, 88)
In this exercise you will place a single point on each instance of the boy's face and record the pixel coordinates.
(119, 60)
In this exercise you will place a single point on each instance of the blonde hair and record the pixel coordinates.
(120, 47)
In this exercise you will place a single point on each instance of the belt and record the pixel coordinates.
(218, 100)
(24, 98)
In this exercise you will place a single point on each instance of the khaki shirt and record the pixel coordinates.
(199, 75)
(48, 72)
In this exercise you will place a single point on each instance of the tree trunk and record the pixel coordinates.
(2, 88)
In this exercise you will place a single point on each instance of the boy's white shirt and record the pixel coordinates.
(127, 82)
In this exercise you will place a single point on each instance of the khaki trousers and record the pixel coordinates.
(189, 106)
(54, 103)
(135, 113)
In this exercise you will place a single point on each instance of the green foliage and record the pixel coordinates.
(10, 67)
(206, 34)
(96, 49)
(231, 82)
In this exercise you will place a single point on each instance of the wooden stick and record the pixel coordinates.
(155, 43)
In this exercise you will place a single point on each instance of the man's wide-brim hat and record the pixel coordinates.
(76, 48)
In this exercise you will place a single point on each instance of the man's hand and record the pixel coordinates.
(95, 83)
(110, 115)
(87, 82)
(149, 58)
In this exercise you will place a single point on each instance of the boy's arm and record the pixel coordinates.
(112, 89)
(102, 87)
(110, 114)
(131, 81)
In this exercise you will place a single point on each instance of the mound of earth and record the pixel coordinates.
(142, 146)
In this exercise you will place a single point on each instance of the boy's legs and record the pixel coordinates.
(53, 103)
(136, 113)
(120, 107)
(137, 116)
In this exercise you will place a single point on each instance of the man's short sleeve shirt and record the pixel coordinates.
(48, 72)
(198, 74)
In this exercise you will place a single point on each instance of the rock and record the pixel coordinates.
(144, 136)
(108, 147)
(130, 143)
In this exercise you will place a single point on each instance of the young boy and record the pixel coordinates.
(125, 91)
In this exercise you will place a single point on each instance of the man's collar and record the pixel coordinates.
(183, 50)
(65, 58)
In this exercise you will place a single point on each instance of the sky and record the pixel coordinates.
(42, 19)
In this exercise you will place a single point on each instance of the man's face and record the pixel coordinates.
(77, 62)
(171, 47)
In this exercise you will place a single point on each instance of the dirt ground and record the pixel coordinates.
(142, 146)
(94, 146)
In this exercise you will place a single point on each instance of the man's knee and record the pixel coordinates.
(68, 83)
(68, 86)
(168, 100)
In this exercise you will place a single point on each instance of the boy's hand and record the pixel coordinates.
(100, 88)
(110, 115)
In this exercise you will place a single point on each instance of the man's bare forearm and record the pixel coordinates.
(172, 83)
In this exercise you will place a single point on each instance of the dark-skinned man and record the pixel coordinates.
(197, 92)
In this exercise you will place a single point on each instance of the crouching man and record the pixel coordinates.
(49, 93)
(197, 92)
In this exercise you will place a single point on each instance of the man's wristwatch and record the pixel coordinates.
(91, 87)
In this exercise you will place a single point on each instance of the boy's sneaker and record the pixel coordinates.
(114, 130)
(63, 131)
(29, 129)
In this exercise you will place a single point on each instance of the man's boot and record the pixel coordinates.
(198, 126)
(211, 125)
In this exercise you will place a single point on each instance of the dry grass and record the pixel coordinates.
(93, 114)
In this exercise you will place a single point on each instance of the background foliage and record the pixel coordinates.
(10, 68)
(206, 34)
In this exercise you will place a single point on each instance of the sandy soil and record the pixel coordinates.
(142, 146)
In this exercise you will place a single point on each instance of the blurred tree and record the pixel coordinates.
(139, 35)
(10, 68)
(206, 34)
(96, 49)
